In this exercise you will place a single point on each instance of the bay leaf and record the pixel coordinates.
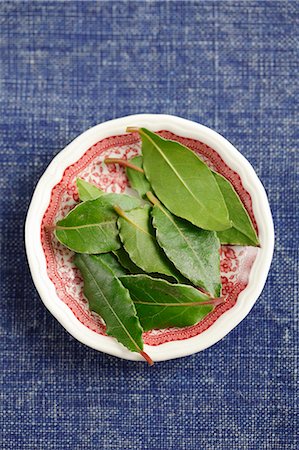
(112, 262)
(108, 297)
(126, 262)
(89, 228)
(193, 251)
(137, 179)
(242, 231)
(138, 238)
(126, 202)
(160, 304)
(183, 182)
(87, 191)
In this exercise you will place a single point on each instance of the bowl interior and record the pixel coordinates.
(236, 262)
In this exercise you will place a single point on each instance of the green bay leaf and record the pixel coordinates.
(87, 191)
(193, 251)
(89, 228)
(160, 304)
(242, 231)
(111, 300)
(138, 238)
(112, 262)
(183, 182)
(137, 179)
(126, 262)
(126, 202)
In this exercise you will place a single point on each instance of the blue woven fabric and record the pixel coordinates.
(66, 66)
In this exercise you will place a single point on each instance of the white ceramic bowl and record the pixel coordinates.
(70, 155)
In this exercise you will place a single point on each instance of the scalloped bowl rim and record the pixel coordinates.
(69, 155)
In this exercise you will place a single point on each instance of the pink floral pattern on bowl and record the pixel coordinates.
(236, 262)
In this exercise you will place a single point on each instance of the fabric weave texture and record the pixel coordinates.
(68, 65)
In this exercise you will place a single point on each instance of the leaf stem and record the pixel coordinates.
(152, 198)
(216, 301)
(50, 227)
(147, 358)
(132, 129)
(120, 211)
(122, 214)
(124, 163)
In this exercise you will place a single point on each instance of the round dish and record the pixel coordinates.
(252, 276)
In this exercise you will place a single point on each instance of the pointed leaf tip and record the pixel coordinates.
(87, 191)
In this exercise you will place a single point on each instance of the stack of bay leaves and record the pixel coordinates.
(153, 261)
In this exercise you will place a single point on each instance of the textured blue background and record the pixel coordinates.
(66, 66)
